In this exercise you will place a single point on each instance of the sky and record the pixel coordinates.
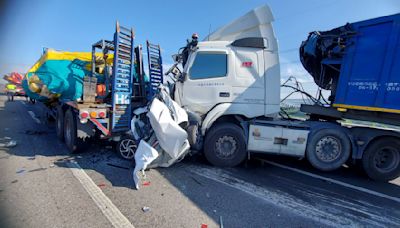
(27, 26)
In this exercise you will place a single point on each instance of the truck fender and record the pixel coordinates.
(227, 109)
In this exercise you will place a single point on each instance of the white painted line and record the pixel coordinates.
(112, 213)
(24, 103)
(368, 191)
(34, 117)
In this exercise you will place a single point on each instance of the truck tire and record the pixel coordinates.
(60, 123)
(381, 160)
(72, 141)
(194, 137)
(328, 149)
(126, 148)
(225, 145)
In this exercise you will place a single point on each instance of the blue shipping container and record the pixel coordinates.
(370, 70)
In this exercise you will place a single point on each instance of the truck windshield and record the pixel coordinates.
(208, 65)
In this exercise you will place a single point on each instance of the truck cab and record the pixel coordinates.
(230, 87)
(233, 73)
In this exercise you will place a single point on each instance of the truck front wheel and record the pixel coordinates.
(328, 149)
(225, 145)
(381, 160)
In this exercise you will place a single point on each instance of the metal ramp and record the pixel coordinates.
(155, 67)
(123, 70)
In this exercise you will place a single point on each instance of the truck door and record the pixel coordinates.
(207, 80)
(248, 86)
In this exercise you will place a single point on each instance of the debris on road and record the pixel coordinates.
(51, 165)
(14, 181)
(31, 158)
(144, 155)
(204, 225)
(38, 169)
(20, 171)
(146, 209)
(146, 183)
(36, 132)
(7, 142)
(117, 166)
(101, 185)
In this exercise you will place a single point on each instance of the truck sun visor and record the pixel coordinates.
(253, 42)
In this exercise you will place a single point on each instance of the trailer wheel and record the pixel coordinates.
(381, 160)
(60, 123)
(328, 149)
(225, 145)
(126, 148)
(73, 142)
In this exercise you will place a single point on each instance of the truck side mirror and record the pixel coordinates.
(175, 58)
(182, 77)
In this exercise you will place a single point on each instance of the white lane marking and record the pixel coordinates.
(368, 191)
(34, 117)
(321, 208)
(23, 102)
(112, 213)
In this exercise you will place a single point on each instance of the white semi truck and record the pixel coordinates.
(230, 86)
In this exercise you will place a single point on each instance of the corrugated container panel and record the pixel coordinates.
(370, 72)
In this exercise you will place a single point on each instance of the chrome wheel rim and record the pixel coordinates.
(386, 159)
(328, 149)
(127, 148)
(225, 147)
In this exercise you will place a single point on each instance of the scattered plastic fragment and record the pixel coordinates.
(9, 144)
(146, 209)
(20, 171)
(31, 158)
(102, 185)
(146, 183)
(51, 166)
(204, 225)
(144, 155)
(38, 169)
(14, 181)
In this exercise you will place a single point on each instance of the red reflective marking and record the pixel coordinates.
(247, 64)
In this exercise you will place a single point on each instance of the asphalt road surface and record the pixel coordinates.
(42, 185)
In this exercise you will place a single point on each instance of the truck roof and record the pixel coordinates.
(255, 23)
